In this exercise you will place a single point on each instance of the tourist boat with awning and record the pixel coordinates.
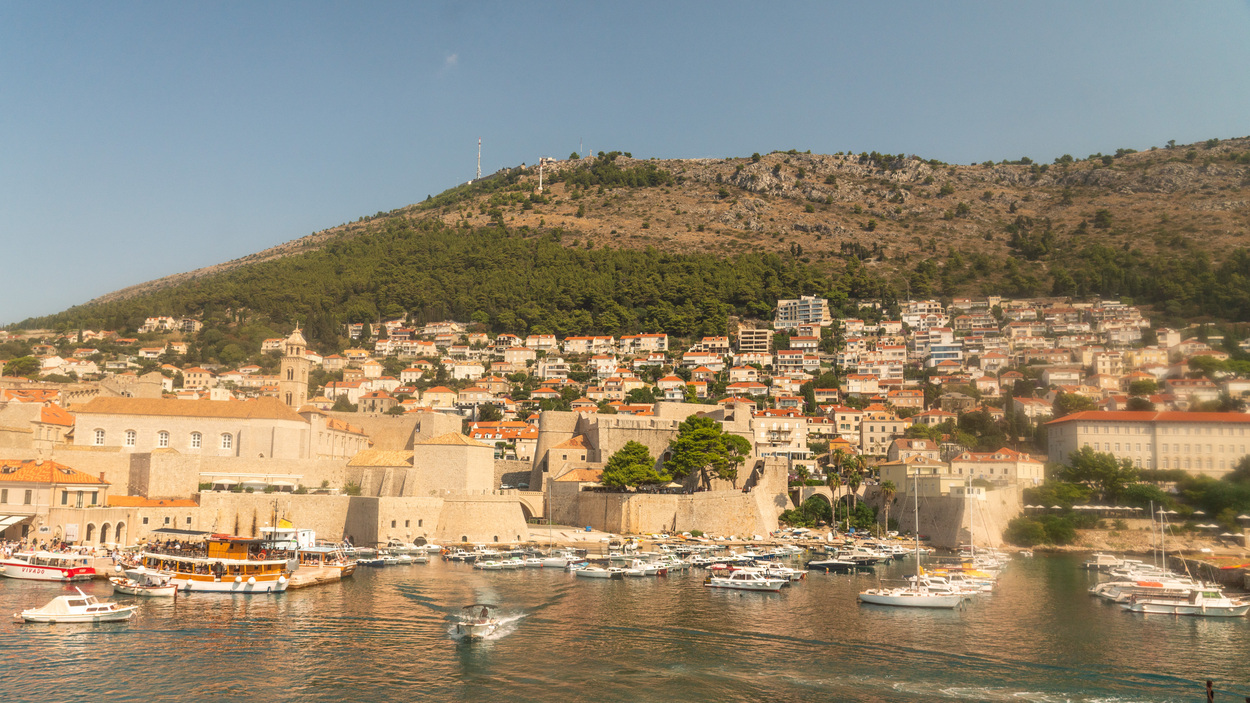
(48, 566)
(79, 608)
(222, 564)
(476, 622)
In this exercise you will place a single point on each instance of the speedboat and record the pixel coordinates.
(489, 565)
(598, 572)
(79, 608)
(642, 568)
(745, 580)
(910, 597)
(533, 563)
(476, 621)
(1201, 603)
(141, 582)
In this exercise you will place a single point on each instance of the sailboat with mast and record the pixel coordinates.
(916, 594)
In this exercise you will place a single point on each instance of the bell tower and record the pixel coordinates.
(293, 378)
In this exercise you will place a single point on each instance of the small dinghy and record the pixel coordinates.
(79, 608)
(142, 582)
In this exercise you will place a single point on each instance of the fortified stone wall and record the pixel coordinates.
(173, 475)
(511, 472)
(719, 512)
(946, 519)
(245, 513)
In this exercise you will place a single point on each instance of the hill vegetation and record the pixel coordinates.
(615, 245)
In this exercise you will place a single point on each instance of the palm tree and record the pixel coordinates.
(888, 491)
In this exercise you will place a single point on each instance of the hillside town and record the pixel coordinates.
(455, 433)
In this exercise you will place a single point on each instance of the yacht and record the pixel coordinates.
(1198, 602)
(911, 596)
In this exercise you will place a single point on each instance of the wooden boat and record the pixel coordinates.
(225, 564)
(327, 557)
(48, 566)
(79, 608)
(141, 582)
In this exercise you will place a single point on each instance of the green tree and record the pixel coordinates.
(632, 466)
(1142, 387)
(1099, 471)
(22, 366)
(888, 491)
(488, 413)
(1069, 403)
(702, 446)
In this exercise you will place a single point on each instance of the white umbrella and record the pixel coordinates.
(1056, 507)
(1137, 507)
(1199, 512)
(1229, 534)
(1243, 517)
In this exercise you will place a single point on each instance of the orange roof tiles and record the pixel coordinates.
(42, 471)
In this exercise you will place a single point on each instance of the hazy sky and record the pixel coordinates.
(143, 139)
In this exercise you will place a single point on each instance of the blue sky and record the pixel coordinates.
(143, 139)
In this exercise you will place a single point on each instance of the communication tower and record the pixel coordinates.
(479, 158)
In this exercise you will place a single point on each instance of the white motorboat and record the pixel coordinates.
(745, 580)
(79, 608)
(643, 568)
(598, 572)
(489, 565)
(48, 566)
(1200, 603)
(141, 582)
(533, 563)
(911, 597)
(476, 622)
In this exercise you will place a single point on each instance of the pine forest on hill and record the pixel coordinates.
(615, 245)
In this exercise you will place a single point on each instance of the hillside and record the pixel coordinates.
(1167, 226)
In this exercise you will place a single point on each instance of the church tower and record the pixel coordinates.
(293, 378)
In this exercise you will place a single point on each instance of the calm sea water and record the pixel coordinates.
(387, 635)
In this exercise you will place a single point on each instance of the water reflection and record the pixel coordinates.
(389, 634)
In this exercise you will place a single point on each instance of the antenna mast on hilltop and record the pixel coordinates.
(479, 158)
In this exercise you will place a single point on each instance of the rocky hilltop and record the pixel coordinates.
(887, 210)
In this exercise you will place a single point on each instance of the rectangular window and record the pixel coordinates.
(188, 519)
(95, 497)
(4, 495)
(145, 521)
(420, 522)
(78, 499)
(166, 521)
(64, 497)
(30, 496)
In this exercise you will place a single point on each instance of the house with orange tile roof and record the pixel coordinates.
(30, 489)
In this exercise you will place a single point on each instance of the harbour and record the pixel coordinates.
(390, 634)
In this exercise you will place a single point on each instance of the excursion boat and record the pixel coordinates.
(226, 564)
(79, 608)
(48, 566)
(141, 582)
(1102, 562)
(476, 621)
(744, 580)
(1200, 603)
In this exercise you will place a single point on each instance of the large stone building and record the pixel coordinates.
(1002, 466)
(260, 428)
(1209, 443)
(31, 489)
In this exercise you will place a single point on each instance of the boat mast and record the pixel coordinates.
(916, 507)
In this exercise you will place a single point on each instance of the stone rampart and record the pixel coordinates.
(946, 519)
